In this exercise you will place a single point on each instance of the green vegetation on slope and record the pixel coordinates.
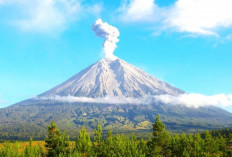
(30, 118)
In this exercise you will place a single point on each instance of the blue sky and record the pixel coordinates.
(186, 43)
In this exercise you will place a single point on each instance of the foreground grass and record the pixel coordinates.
(21, 145)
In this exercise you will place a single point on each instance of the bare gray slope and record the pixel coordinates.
(112, 78)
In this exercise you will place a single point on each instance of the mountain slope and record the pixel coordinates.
(112, 78)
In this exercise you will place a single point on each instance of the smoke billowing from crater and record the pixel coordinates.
(110, 34)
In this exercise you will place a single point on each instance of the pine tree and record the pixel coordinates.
(142, 146)
(83, 142)
(120, 144)
(98, 140)
(197, 145)
(108, 149)
(134, 149)
(210, 146)
(98, 134)
(56, 143)
(175, 145)
(161, 139)
(184, 145)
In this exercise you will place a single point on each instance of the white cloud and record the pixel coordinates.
(139, 10)
(190, 100)
(107, 99)
(204, 17)
(47, 15)
(197, 100)
(200, 16)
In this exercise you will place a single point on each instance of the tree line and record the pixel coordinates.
(162, 144)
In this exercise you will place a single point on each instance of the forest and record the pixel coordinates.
(214, 143)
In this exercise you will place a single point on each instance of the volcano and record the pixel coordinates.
(106, 78)
(112, 78)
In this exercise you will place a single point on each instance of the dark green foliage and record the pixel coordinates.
(57, 143)
(121, 145)
(162, 144)
(161, 139)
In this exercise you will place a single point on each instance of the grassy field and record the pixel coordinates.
(21, 145)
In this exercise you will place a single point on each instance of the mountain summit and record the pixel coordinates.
(112, 78)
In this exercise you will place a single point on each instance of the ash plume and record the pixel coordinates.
(110, 34)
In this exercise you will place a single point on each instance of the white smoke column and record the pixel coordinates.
(110, 34)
